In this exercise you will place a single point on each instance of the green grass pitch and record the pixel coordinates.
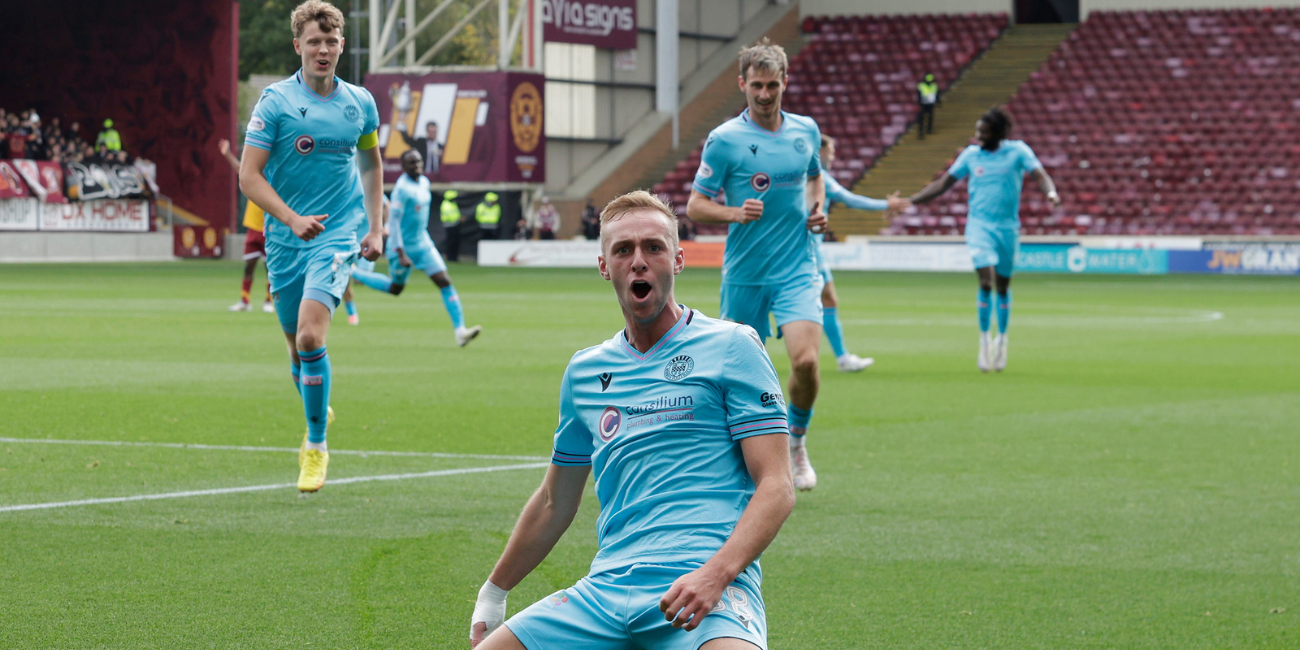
(1130, 481)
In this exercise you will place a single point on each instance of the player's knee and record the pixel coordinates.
(396, 289)
(310, 340)
(804, 363)
(1004, 285)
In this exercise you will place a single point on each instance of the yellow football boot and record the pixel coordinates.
(312, 475)
(329, 419)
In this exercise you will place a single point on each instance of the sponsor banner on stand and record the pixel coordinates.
(1064, 258)
(1233, 258)
(608, 24)
(487, 126)
(88, 181)
(11, 182)
(19, 214)
(103, 215)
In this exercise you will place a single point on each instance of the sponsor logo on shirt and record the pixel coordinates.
(610, 422)
(772, 399)
(304, 144)
(255, 123)
(352, 113)
(660, 410)
(559, 598)
(705, 171)
(678, 367)
(760, 182)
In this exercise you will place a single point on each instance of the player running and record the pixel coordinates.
(996, 168)
(846, 361)
(311, 161)
(254, 241)
(764, 160)
(682, 419)
(409, 245)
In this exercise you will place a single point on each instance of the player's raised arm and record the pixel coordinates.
(223, 145)
(546, 516)
(933, 190)
(253, 183)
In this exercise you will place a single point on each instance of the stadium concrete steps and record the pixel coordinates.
(991, 80)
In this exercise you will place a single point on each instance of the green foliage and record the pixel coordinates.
(1129, 482)
(266, 39)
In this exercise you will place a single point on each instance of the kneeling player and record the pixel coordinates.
(409, 245)
(682, 418)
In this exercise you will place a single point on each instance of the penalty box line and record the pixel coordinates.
(342, 452)
(263, 488)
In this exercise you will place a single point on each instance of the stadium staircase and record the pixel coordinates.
(913, 162)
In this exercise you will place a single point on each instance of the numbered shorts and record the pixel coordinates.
(995, 247)
(317, 273)
(254, 245)
(750, 304)
(620, 611)
(423, 256)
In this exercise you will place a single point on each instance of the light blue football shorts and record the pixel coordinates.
(750, 304)
(619, 610)
(423, 256)
(317, 273)
(822, 267)
(991, 246)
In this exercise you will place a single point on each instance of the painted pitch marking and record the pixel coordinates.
(343, 452)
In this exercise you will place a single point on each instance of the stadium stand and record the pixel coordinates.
(1156, 123)
(857, 76)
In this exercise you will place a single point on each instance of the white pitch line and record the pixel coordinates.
(262, 488)
(345, 452)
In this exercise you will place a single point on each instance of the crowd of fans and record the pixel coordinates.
(26, 135)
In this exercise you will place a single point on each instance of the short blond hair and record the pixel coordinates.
(766, 56)
(633, 201)
(326, 15)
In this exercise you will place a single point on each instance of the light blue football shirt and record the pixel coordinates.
(662, 432)
(312, 142)
(996, 178)
(747, 161)
(409, 218)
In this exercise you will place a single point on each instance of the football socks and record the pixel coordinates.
(315, 392)
(834, 333)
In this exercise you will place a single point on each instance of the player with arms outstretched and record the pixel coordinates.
(254, 241)
(996, 168)
(835, 193)
(681, 418)
(764, 160)
(409, 245)
(311, 160)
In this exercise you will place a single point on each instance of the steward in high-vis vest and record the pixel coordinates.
(449, 214)
(488, 215)
(927, 95)
(109, 137)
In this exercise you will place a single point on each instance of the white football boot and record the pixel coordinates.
(1000, 353)
(466, 334)
(804, 476)
(239, 306)
(853, 363)
(268, 307)
(985, 358)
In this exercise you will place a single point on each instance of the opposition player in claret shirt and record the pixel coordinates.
(409, 246)
(765, 160)
(996, 168)
(311, 160)
(681, 418)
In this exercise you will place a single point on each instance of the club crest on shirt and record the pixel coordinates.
(800, 145)
(979, 171)
(304, 144)
(352, 113)
(678, 367)
(760, 182)
(610, 422)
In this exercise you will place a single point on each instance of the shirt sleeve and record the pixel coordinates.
(370, 122)
(714, 166)
(573, 440)
(815, 163)
(1028, 161)
(263, 124)
(961, 167)
(836, 193)
(751, 391)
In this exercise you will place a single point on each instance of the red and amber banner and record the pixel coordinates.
(480, 127)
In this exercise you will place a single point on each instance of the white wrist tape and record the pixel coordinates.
(490, 608)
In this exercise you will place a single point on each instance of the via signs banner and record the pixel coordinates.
(470, 127)
(608, 24)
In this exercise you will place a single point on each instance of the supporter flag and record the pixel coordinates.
(11, 182)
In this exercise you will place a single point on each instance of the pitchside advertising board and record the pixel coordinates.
(1232, 258)
(487, 126)
(34, 195)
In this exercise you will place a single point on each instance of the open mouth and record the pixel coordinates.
(322, 63)
(641, 289)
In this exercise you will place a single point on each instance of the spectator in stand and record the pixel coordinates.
(548, 220)
(927, 94)
(109, 137)
(17, 136)
(74, 133)
(427, 146)
(685, 228)
(521, 230)
(590, 221)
